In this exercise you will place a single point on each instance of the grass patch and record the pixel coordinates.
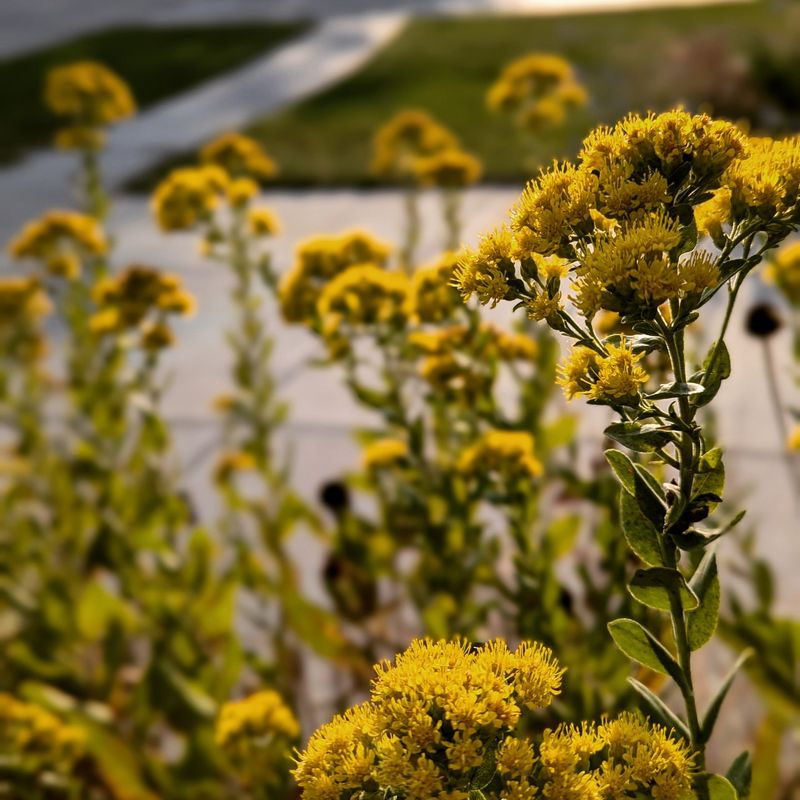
(156, 62)
(629, 61)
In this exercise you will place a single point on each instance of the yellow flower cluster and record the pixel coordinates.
(362, 295)
(784, 271)
(442, 724)
(618, 218)
(60, 240)
(91, 96)
(240, 156)
(262, 221)
(317, 261)
(36, 743)
(539, 89)
(189, 195)
(130, 300)
(406, 139)
(432, 297)
(793, 444)
(460, 360)
(767, 181)
(384, 453)
(256, 735)
(22, 304)
(448, 169)
(615, 377)
(504, 455)
(622, 757)
(232, 462)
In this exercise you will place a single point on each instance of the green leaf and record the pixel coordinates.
(561, 534)
(653, 588)
(740, 773)
(712, 378)
(702, 622)
(660, 710)
(720, 788)
(695, 538)
(623, 469)
(639, 644)
(640, 533)
(710, 718)
(710, 478)
(649, 496)
(676, 389)
(638, 437)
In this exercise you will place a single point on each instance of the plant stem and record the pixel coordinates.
(408, 251)
(687, 459)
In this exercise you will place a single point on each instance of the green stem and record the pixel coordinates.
(451, 200)
(687, 457)
(412, 232)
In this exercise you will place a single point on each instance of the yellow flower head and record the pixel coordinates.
(433, 298)
(231, 463)
(502, 454)
(256, 735)
(619, 377)
(240, 191)
(125, 301)
(384, 453)
(60, 240)
(364, 294)
(784, 271)
(407, 137)
(317, 261)
(539, 88)
(263, 221)
(188, 195)
(90, 95)
(38, 743)
(793, 444)
(240, 156)
(449, 169)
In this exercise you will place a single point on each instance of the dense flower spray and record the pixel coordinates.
(446, 721)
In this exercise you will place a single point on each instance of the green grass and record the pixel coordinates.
(156, 62)
(629, 61)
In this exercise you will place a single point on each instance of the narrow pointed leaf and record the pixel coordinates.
(660, 710)
(710, 718)
(740, 773)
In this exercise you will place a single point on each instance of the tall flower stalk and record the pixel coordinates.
(626, 221)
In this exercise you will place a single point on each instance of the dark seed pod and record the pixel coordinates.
(763, 320)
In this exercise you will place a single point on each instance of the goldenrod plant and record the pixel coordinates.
(627, 218)
(415, 150)
(447, 720)
(218, 198)
(89, 97)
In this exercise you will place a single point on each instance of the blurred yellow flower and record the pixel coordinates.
(240, 156)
